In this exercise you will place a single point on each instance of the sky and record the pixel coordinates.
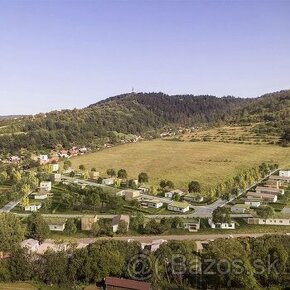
(61, 54)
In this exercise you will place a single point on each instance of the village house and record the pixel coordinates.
(56, 225)
(153, 203)
(280, 178)
(171, 193)
(55, 177)
(191, 197)
(73, 152)
(154, 246)
(273, 183)
(131, 194)
(143, 189)
(263, 196)
(63, 154)
(224, 226)
(113, 283)
(253, 202)
(270, 190)
(40, 195)
(83, 150)
(269, 221)
(30, 244)
(54, 167)
(87, 222)
(192, 225)
(14, 159)
(116, 221)
(108, 181)
(240, 208)
(45, 186)
(178, 206)
(94, 174)
(43, 159)
(33, 207)
(284, 173)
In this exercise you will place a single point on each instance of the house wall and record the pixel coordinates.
(253, 203)
(178, 209)
(57, 228)
(238, 210)
(284, 173)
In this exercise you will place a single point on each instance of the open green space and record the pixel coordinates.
(207, 162)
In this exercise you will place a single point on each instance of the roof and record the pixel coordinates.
(153, 200)
(127, 284)
(249, 199)
(116, 219)
(179, 204)
(178, 191)
(56, 221)
(261, 195)
(240, 206)
(29, 243)
(191, 221)
(268, 189)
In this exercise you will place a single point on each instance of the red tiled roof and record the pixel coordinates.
(127, 284)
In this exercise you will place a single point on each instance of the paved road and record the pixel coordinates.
(10, 205)
(149, 239)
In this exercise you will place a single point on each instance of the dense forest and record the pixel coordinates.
(144, 114)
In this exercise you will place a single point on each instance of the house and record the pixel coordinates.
(30, 244)
(263, 196)
(192, 225)
(153, 203)
(171, 193)
(57, 225)
(178, 206)
(143, 189)
(240, 208)
(108, 181)
(273, 183)
(55, 177)
(94, 174)
(224, 226)
(270, 190)
(33, 207)
(190, 197)
(14, 159)
(131, 194)
(45, 186)
(54, 167)
(154, 246)
(270, 221)
(40, 195)
(83, 150)
(253, 202)
(117, 219)
(281, 178)
(43, 159)
(113, 283)
(284, 173)
(87, 222)
(63, 154)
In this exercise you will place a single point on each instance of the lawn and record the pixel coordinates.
(207, 162)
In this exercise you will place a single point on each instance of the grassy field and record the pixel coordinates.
(181, 162)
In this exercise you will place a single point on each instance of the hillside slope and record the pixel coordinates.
(141, 114)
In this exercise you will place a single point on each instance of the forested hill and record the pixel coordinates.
(136, 113)
(270, 113)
